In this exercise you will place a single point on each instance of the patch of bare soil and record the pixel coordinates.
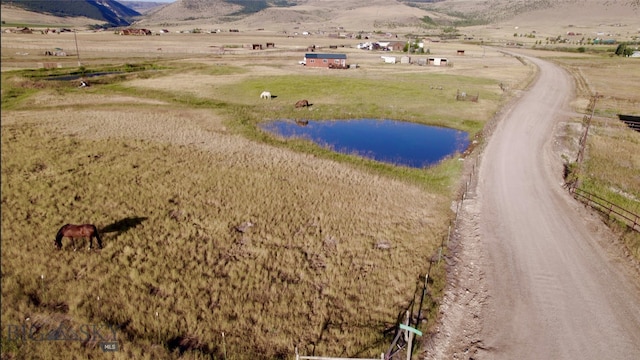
(458, 335)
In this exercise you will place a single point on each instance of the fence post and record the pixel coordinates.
(406, 333)
(224, 345)
(409, 345)
(424, 290)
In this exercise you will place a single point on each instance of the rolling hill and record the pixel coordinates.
(352, 15)
(143, 6)
(372, 15)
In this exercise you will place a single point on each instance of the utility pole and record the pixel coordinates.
(587, 120)
(583, 138)
(77, 51)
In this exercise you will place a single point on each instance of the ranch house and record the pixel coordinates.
(326, 60)
(396, 45)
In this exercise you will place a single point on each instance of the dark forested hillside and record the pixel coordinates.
(108, 11)
(253, 6)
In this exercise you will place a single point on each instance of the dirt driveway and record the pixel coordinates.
(535, 275)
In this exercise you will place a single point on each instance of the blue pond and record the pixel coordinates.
(389, 141)
(77, 76)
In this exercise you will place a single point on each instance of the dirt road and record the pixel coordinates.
(536, 276)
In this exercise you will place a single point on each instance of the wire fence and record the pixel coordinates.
(303, 357)
(142, 49)
(631, 219)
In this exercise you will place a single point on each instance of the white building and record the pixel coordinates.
(389, 59)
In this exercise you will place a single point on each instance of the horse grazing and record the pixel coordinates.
(265, 95)
(302, 103)
(78, 231)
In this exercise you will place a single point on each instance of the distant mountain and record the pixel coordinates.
(109, 11)
(221, 8)
(366, 13)
(266, 13)
(281, 15)
(476, 12)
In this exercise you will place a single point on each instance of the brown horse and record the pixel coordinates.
(302, 103)
(78, 231)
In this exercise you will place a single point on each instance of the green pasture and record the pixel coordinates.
(407, 97)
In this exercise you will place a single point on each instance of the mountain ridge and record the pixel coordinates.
(370, 15)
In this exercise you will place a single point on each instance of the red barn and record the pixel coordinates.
(338, 61)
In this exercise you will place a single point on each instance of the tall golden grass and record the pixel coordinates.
(171, 245)
(211, 226)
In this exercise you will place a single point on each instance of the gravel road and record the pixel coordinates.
(535, 275)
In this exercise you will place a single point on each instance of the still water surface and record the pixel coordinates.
(389, 141)
(79, 76)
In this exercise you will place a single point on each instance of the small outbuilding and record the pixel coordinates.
(436, 61)
(389, 59)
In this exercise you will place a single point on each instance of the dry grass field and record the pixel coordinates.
(167, 160)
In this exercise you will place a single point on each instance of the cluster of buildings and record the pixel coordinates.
(26, 30)
(393, 45)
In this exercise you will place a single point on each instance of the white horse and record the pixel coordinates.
(265, 95)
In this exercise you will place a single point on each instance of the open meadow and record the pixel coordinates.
(221, 240)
